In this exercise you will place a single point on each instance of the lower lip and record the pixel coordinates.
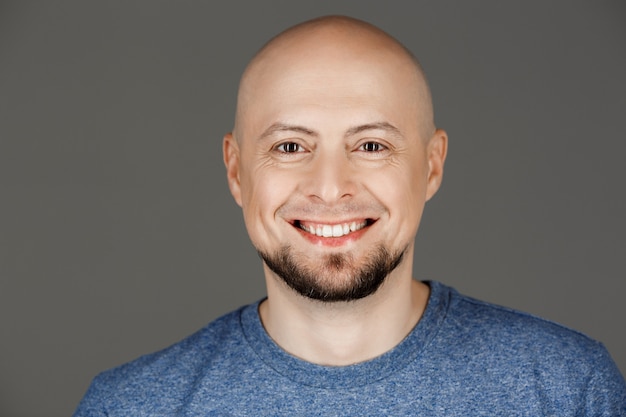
(333, 242)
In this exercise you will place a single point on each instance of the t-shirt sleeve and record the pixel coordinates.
(605, 395)
(92, 404)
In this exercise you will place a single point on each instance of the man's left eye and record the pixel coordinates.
(372, 147)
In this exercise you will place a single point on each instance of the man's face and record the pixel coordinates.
(332, 170)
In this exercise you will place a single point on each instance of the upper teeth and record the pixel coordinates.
(336, 230)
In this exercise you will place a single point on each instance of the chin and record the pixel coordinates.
(338, 277)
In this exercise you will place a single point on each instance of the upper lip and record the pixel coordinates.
(332, 222)
(298, 222)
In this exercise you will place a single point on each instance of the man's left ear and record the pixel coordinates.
(436, 151)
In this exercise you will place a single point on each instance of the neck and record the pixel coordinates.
(344, 333)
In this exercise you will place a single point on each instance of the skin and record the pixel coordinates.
(334, 126)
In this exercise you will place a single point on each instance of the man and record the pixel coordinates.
(332, 158)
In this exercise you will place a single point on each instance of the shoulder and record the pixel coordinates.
(164, 377)
(516, 329)
(498, 355)
(515, 342)
(214, 340)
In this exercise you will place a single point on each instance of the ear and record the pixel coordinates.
(231, 160)
(436, 149)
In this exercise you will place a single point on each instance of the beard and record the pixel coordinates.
(338, 277)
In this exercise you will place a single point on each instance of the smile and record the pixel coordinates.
(331, 230)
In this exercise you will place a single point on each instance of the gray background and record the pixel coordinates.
(117, 232)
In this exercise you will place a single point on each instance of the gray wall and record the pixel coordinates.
(117, 232)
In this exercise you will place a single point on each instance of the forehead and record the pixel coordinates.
(293, 82)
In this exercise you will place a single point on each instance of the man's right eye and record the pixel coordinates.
(289, 147)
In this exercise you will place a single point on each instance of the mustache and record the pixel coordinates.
(317, 210)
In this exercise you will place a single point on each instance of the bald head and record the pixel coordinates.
(333, 51)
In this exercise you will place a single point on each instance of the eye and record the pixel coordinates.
(371, 147)
(289, 147)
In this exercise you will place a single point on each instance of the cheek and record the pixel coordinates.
(399, 188)
(266, 190)
(263, 193)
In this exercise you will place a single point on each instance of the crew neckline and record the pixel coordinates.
(359, 374)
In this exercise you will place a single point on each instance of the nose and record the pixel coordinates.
(330, 179)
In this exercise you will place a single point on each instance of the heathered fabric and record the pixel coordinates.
(464, 358)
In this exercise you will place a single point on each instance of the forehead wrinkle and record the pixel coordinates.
(285, 127)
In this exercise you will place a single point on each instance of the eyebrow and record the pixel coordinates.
(284, 127)
(388, 127)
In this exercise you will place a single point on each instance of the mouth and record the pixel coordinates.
(335, 230)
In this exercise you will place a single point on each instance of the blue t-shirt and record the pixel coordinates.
(464, 358)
